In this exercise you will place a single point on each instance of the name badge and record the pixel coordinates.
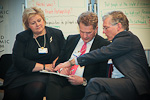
(42, 50)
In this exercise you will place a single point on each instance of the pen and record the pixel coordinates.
(75, 55)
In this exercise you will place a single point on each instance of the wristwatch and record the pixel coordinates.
(84, 82)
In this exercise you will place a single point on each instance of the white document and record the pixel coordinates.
(44, 71)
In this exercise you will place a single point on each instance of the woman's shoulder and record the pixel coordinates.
(54, 32)
(53, 29)
(24, 35)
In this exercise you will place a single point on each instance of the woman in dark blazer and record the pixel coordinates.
(34, 49)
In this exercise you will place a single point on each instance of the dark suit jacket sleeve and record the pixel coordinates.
(97, 69)
(120, 45)
(18, 52)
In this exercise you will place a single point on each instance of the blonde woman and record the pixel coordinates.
(34, 49)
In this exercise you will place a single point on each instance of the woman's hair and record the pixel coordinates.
(28, 13)
(88, 18)
(118, 17)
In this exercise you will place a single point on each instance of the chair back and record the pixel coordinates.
(5, 63)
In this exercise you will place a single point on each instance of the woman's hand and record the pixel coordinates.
(38, 67)
(49, 67)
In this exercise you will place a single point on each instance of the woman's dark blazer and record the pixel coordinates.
(25, 54)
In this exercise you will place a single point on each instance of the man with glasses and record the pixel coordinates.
(128, 56)
(73, 88)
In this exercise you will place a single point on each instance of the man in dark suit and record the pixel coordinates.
(73, 88)
(128, 56)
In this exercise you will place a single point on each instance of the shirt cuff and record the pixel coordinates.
(76, 62)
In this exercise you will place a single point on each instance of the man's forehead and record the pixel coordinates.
(106, 22)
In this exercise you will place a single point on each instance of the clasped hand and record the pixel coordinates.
(73, 79)
(39, 67)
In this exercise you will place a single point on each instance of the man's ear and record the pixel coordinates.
(119, 26)
(96, 30)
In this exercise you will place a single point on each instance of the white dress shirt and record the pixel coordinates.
(115, 73)
(80, 70)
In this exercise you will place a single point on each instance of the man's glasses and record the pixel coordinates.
(106, 27)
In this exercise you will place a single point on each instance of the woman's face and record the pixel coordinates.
(37, 25)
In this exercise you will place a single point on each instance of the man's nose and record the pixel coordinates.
(104, 31)
(85, 35)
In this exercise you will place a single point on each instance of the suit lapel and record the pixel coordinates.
(72, 44)
(95, 43)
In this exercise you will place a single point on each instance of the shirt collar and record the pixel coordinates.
(90, 42)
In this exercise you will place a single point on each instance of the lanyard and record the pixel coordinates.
(39, 44)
